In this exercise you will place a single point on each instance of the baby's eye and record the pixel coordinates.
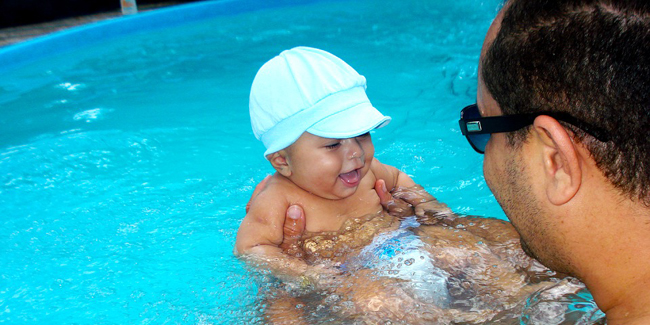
(333, 145)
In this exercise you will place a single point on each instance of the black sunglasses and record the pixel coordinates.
(478, 129)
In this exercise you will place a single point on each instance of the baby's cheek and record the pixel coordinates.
(330, 167)
(369, 160)
(369, 150)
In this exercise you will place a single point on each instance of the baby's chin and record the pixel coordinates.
(338, 192)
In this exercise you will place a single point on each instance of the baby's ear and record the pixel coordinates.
(279, 162)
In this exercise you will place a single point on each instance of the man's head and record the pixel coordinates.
(549, 62)
(589, 59)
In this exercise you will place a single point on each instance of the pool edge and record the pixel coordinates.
(25, 52)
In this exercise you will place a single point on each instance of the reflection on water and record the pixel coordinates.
(566, 303)
(449, 270)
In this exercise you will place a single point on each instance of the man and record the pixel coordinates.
(574, 180)
(570, 165)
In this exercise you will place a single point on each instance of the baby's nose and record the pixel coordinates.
(353, 148)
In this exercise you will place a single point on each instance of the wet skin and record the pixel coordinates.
(483, 257)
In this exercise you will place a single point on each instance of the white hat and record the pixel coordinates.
(307, 89)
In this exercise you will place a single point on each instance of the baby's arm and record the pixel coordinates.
(401, 186)
(260, 235)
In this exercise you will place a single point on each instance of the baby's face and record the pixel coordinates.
(330, 168)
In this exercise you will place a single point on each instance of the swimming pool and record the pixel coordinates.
(126, 157)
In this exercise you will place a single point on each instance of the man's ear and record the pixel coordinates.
(280, 162)
(561, 164)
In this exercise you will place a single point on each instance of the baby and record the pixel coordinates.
(310, 110)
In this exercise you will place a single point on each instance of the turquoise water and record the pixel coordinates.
(125, 166)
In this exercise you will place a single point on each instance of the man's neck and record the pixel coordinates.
(620, 278)
(634, 309)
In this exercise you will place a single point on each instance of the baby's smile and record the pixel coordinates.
(351, 179)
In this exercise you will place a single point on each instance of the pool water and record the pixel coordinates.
(125, 166)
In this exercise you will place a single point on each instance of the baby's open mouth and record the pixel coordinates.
(351, 178)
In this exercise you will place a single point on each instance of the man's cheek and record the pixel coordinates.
(488, 172)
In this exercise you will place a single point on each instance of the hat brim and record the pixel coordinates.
(350, 123)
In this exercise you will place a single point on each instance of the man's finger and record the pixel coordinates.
(394, 206)
(294, 227)
(384, 196)
(257, 191)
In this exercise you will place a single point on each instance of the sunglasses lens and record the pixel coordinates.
(479, 141)
(470, 112)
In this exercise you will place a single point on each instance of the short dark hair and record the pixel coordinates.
(588, 58)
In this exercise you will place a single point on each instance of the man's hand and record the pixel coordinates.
(395, 207)
(294, 227)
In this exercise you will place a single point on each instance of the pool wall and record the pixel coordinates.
(60, 42)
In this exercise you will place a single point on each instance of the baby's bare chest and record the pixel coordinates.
(330, 215)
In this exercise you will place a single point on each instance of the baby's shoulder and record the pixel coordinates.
(274, 193)
(264, 220)
(277, 195)
(386, 172)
